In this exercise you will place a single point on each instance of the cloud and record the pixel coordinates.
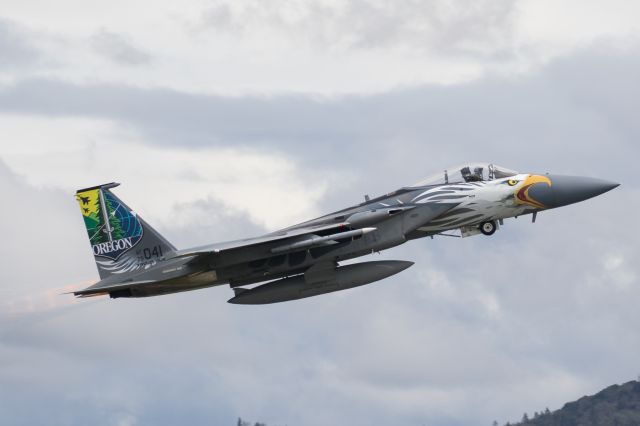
(532, 317)
(312, 46)
(458, 27)
(16, 49)
(552, 112)
(248, 182)
(118, 48)
(20, 210)
(60, 352)
(410, 349)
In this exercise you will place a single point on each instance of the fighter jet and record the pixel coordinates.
(134, 260)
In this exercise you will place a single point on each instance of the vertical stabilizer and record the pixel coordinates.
(121, 241)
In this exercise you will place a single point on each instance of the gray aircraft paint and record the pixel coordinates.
(134, 260)
(138, 242)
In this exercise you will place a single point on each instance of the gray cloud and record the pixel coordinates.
(86, 360)
(481, 28)
(534, 122)
(16, 49)
(214, 219)
(118, 48)
(532, 317)
(412, 349)
(19, 212)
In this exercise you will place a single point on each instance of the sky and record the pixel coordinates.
(228, 119)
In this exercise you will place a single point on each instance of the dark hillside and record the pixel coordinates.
(617, 405)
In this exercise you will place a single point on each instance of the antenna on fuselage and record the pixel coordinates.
(446, 177)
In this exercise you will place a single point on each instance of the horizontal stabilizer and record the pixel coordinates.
(98, 290)
(239, 290)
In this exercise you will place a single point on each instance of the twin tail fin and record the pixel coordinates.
(121, 241)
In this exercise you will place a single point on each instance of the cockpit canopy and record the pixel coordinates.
(473, 172)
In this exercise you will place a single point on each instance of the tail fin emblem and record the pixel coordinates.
(113, 229)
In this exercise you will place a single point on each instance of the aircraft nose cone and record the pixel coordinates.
(573, 189)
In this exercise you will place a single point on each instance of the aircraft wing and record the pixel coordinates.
(302, 237)
(289, 234)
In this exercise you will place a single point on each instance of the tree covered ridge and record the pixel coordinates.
(617, 405)
(246, 423)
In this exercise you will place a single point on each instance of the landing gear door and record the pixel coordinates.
(469, 231)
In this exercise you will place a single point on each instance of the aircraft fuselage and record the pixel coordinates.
(305, 256)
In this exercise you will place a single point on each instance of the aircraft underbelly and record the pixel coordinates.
(472, 214)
